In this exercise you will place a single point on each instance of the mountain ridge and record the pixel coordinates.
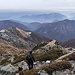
(4, 24)
(61, 30)
(44, 17)
(20, 38)
(69, 43)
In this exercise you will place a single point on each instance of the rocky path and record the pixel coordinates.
(60, 58)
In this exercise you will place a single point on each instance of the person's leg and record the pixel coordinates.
(31, 65)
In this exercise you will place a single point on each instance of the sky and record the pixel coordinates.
(43, 5)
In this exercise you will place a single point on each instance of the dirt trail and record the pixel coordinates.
(60, 58)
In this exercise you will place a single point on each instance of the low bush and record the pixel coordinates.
(19, 58)
(21, 73)
(49, 55)
(50, 68)
(70, 57)
(3, 62)
(32, 72)
(57, 66)
(39, 46)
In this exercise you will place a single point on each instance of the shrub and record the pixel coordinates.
(49, 55)
(70, 57)
(3, 62)
(57, 66)
(50, 68)
(20, 58)
(32, 72)
(21, 73)
(39, 46)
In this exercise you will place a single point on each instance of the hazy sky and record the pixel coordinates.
(36, 4)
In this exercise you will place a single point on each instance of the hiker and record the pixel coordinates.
(30, 59)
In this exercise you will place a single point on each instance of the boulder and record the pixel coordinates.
(42, 72)
(23, 65)
(9, 68)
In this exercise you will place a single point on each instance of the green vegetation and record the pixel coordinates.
(20, 58)
(57, 43)
(39, 46)
(21, 73)
(49, 55)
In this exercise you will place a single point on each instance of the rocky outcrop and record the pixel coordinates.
(23, 65)
(46, 46)
(9, 68)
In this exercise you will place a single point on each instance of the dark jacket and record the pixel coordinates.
(30, 58)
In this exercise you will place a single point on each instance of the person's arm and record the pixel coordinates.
(33, 58)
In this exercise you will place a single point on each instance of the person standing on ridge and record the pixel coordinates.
(30, 59)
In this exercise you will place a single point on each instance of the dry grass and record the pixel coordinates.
(7, 48)
(57, 66)
(32, 72)
(70, 57)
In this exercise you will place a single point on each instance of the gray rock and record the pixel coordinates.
(23, 64)
(42, 72)
(9, 68)
(66, 72)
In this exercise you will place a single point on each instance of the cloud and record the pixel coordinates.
(37, 4)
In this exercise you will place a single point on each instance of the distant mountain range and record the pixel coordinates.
(4, 24)
(32, 16)
(34, 26)
(44, 17)
(62, 30)
(69, 43)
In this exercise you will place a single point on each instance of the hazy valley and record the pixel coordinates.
(51, 37)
